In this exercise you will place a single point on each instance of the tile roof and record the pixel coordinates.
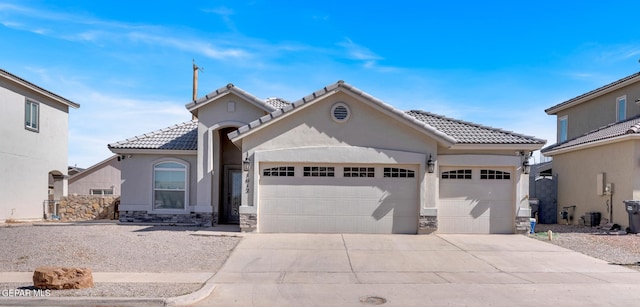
(277, 103)
(470, 133)
(230, 88)
(182, 136)
(33, 87)
(598, 90)
(631, 126)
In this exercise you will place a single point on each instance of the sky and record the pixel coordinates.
(496, 63)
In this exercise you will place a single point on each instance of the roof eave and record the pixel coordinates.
(153, 151)
(24, 83)
(561, 106)
(617, 139)
(516, 146)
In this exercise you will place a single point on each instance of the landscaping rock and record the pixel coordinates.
(58, 278)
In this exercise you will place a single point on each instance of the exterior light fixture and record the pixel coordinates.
(526, 167)
(246, 164)
(430, 165)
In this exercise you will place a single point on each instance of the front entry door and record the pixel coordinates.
(233, 195)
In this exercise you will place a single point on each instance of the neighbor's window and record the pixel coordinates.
(169, 185)
(563, 126)
(394, 172)
(31, 110)
(101, 191)
(621, 108)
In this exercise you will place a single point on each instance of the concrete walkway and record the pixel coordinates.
(406, 270)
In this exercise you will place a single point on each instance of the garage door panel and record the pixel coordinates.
(476, 205)
(338, 205)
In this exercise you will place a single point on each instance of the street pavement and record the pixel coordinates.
(410, 270)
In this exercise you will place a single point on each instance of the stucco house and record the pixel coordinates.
(102, 178)
(336, 161)
(34, 125)
(596, 158)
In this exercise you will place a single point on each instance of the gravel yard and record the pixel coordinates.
(622, 249)
(114, 248)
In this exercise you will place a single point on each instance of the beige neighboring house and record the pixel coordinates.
(103, 178)
(597, 156)
(336, 161)
(34, 124)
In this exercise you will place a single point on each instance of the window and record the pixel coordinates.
(359, 172)
(492, 174)
(563, 126)
(31, 110)
(169, 186)
(457, 174)
(621, 108)
(101, 192)
(281, 171)
(319, 171)
(394, 172)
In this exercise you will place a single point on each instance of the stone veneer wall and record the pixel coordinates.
(194, 218)
(86, 207)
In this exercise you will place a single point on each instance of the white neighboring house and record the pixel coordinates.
(336, 161)
(103, 178)
(34, 125)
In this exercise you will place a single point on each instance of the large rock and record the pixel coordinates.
(58, 278)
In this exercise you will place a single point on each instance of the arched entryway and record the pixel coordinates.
(230, 166)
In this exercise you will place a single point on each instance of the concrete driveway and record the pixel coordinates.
(408, 270)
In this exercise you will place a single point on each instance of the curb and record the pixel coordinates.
(183, 300)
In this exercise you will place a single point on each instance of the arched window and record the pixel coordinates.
(169, 186)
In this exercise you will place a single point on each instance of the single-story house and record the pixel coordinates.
(102, 178)
(336, 161)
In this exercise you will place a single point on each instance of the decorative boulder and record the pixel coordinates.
(58, 278)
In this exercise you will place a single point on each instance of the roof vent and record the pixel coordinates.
(340, 112)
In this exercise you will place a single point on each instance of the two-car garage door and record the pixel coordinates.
(476, 200)
(338, 198)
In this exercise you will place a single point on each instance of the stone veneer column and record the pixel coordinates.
(427, 224)
(248, 222)
(523, 224)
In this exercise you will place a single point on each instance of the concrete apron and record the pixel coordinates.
(406, 270)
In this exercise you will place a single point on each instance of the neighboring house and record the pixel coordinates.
(336, 161)
(597, 157)
(34, 124)
(102, 178)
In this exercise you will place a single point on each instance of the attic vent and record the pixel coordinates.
(340, 112)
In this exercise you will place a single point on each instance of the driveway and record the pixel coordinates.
(410, 270)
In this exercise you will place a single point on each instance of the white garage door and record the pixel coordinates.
(338, 198)
(476, 200)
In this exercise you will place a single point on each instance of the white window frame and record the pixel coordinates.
(185, 190)
(621, 107)
(102, 191)
(562, 135)
(31, 118)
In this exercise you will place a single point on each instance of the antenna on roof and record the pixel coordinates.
(195, 83)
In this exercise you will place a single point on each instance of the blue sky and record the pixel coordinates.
(496, 63)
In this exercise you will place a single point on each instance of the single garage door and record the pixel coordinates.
(476, 200)
(338, 198)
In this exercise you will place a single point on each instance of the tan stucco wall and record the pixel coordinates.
(599, 112)
(137, 181)
(104, 177)
(577, 172)
(28, 157)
